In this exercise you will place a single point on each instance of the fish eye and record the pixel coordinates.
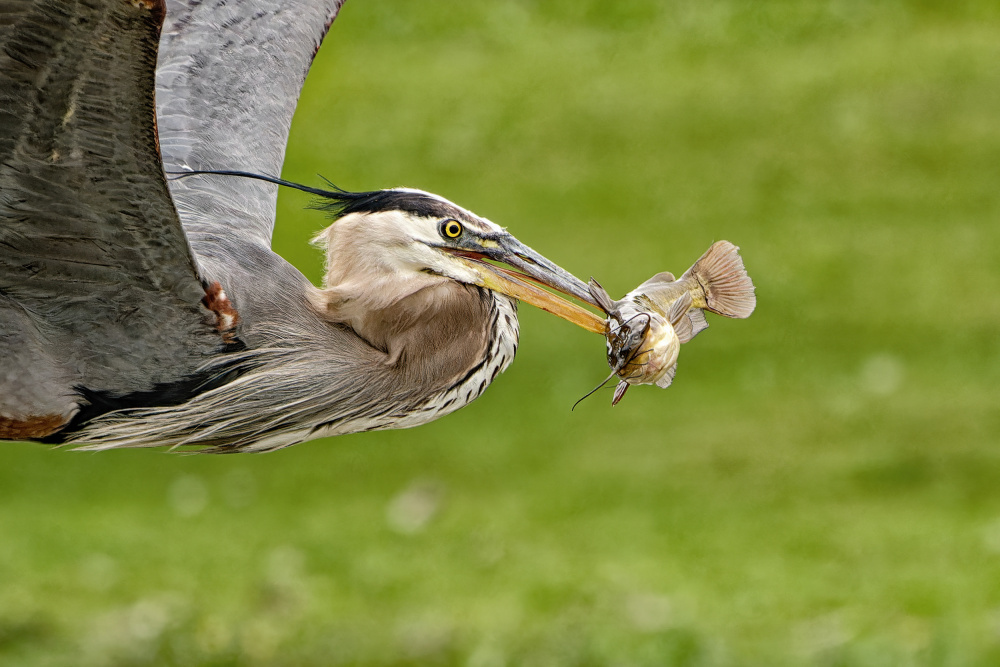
(451, 229)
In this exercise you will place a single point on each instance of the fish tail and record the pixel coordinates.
(727, 288)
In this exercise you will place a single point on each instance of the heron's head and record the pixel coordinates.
(388, 244)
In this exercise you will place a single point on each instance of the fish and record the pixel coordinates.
(645, 329)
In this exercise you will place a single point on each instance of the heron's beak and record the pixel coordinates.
(529, 269)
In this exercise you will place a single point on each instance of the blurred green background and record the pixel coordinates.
(821, 485)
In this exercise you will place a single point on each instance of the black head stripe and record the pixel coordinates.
(378, 201)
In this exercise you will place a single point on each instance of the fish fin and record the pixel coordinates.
(659, 278)
(721, 274)
(677, 316)
(698, 321)
(601, 296)
(620, 391)
(665, 381)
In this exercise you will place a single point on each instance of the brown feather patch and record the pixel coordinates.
(226, 317)
(32, 427)
(157, 7)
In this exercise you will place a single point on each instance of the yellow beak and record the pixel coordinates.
(515, 285)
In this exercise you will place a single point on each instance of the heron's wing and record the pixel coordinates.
(227, 83)
(100, 302)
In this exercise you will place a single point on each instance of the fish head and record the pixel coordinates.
(624, 330)
(646, 350)
(625, 338)
(642, 344)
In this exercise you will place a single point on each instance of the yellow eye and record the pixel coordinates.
(452, 229)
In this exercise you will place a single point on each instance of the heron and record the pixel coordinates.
(141, 311)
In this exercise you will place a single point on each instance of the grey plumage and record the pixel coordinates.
(125, 321)
(97, 285)
(227, 84)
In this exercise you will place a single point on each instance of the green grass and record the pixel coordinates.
(819, 486)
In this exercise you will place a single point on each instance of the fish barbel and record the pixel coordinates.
(646, 327)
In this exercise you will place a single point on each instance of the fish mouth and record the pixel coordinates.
(524, 274)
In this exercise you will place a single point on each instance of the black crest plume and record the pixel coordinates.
(338, 202)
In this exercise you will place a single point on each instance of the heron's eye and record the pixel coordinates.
(452, 229)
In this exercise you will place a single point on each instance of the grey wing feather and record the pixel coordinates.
(227, 84)
(98, 288)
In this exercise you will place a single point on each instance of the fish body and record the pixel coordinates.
(655, 358)
(646, 327)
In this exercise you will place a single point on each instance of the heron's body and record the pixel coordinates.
(134, 312)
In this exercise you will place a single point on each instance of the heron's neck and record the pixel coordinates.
(431, 335)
